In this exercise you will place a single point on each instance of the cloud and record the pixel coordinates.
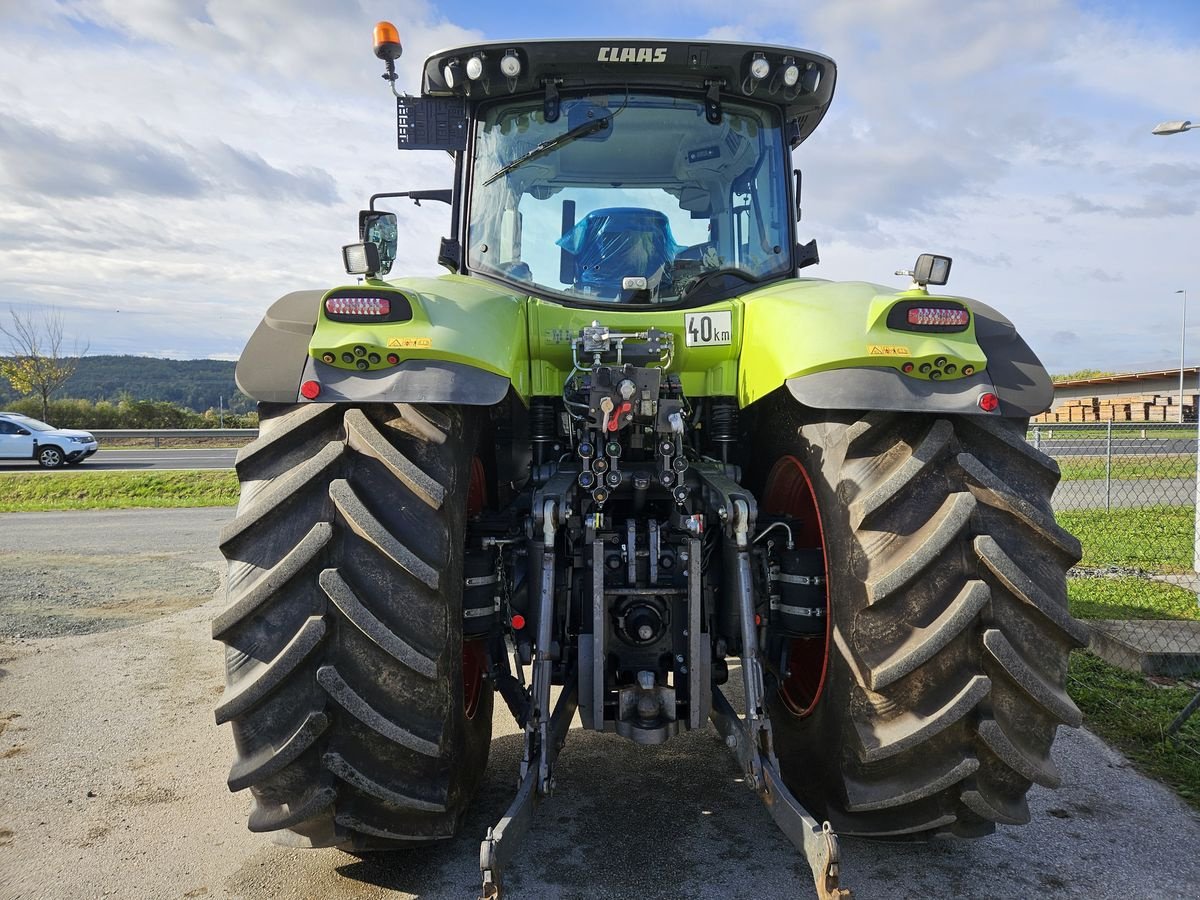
(1156, 205)
(1106, 275)
(1150, 66)
(250, 173)
(44, 163)
(208, 146)
(201, 157)
(1173, 175)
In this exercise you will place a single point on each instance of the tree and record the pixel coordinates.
(36, 364)
(1081, 375)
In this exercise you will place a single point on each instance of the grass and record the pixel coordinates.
(1155, 538)
(1091, 468)
(43, 491)
(200, 442)
(1130, 598)
(1133, 714)
(1128, 710)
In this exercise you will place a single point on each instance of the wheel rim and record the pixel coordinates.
(789, 492)
(51, 457)
(474, 656)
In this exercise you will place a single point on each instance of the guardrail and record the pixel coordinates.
(157, 434)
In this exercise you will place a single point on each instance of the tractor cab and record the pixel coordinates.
(597, 173)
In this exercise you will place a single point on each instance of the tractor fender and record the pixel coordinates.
(831, 346)
(270, 367)
(462, 344)
(1013, 373)
(1021, 381)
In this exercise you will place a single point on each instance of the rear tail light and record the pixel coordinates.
(358, 306)
(938, 316)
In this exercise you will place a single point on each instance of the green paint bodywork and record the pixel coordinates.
(455, 318)
(802, 326)
(787, 329)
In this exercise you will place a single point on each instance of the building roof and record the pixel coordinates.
(1127, 377)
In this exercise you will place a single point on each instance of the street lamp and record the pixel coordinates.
(1174, 127)
(1182, 344)
(1179, 127)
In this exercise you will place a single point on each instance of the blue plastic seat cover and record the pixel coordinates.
(612, 244)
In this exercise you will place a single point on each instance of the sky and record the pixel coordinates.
(168, 168)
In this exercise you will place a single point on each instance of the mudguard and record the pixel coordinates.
(272, 362)
(835, 345)
(457, 340)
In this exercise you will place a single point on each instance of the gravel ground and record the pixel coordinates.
(66, 573)
(113, 782)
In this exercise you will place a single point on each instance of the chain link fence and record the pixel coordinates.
(1129, 492)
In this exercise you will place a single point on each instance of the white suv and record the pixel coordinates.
(24, 438)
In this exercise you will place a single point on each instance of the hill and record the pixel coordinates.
(196, 384)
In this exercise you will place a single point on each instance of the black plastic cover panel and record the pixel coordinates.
(431, 123)
(640, 63)
(888, 389)
(413, 381)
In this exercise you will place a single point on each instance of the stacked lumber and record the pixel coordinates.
(1134, 408)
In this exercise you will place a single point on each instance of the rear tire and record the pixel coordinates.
(943, 684)
(343, 634)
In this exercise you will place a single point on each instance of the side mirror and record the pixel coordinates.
(23, 432)
(378, 228)
(931, 269)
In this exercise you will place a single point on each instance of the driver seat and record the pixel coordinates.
(609, 245)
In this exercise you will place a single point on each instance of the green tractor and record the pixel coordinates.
(622, 455)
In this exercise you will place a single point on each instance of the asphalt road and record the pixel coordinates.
(113, 775)
(140, 459)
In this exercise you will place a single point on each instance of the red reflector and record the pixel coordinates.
(907, 367)
(358, 306)
(393, 358)
(310, 390)
(926, 315)
(518, 621)
(988, 402)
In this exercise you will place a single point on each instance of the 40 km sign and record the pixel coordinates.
(707, 328)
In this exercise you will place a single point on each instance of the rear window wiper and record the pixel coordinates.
(579, 131)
